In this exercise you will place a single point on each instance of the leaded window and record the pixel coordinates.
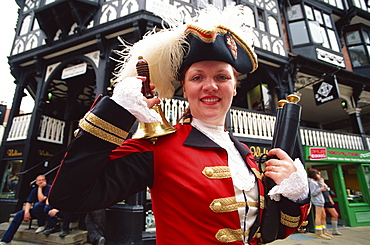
(358, 43)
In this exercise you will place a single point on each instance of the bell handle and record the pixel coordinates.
(142, 69)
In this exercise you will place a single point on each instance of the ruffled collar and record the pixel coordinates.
(243, 179)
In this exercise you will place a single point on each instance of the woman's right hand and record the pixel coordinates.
(127, 93)
(153, 101)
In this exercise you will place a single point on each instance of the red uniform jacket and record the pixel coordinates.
(191, 187)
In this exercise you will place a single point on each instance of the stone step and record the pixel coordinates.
(33, 222)
(28, 235)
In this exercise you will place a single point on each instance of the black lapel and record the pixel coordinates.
(198, 139)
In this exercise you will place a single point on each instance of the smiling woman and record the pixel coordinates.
(206, 187)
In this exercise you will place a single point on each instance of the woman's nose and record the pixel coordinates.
(210, 85)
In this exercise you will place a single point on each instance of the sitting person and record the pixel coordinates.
(38, 198)
(52, 221)
(95, 225)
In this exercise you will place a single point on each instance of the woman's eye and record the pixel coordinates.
(197, 78)
(222, 77)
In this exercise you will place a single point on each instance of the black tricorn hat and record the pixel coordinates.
(212, 34)
(219, 44)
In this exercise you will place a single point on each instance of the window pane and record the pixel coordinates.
(327, 20)
(333, 40)
(367, 37)
(10, 178)
(318, 16)
(354, 193)
(339, 4)
(358, 56)
(325, 38)
(295, 12)
(299, 33)
(309, 12)
(259, 98)
(273, 25)
(315, 32)
(353, 37)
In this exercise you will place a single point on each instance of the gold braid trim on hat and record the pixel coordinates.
(202, 34)
(244, 46)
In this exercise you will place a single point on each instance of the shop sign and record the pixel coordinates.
(335, 155)
(317, 153)
(44, 153)
(73, 71)
(13, 152)
(258, 151)
(326, 91)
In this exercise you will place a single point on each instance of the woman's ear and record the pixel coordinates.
(234, 92)
(184, 93)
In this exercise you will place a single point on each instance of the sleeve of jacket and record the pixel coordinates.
(292, 215)
(88, 179)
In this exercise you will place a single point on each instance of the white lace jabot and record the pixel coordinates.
(242, 178)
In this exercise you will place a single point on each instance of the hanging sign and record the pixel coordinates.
(73, 71)
(326, 91)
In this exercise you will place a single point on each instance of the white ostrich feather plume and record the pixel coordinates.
(164, 49)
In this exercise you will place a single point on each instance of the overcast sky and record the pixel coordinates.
(8, 19)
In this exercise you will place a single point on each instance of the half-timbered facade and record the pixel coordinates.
(63, 57)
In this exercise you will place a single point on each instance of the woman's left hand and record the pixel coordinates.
(281, 168)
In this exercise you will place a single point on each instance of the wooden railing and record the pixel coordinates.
(368, 142)
(244, 124)
(251, 124)
(261, 126)
(50, 129)
(173, 109)
(19, 129)
(316, 137)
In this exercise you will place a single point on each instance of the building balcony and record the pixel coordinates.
(244, 124)
(50, 129)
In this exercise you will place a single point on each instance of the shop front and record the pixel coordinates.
(347, 173)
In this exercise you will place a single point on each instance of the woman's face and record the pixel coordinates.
(210, 87)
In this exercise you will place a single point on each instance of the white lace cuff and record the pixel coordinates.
(127, 94)
(294, 188)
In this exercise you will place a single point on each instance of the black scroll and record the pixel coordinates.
(285, 135)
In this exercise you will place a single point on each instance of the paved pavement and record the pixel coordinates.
(351, 236)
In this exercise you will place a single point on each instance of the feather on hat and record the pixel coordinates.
(211, 35)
